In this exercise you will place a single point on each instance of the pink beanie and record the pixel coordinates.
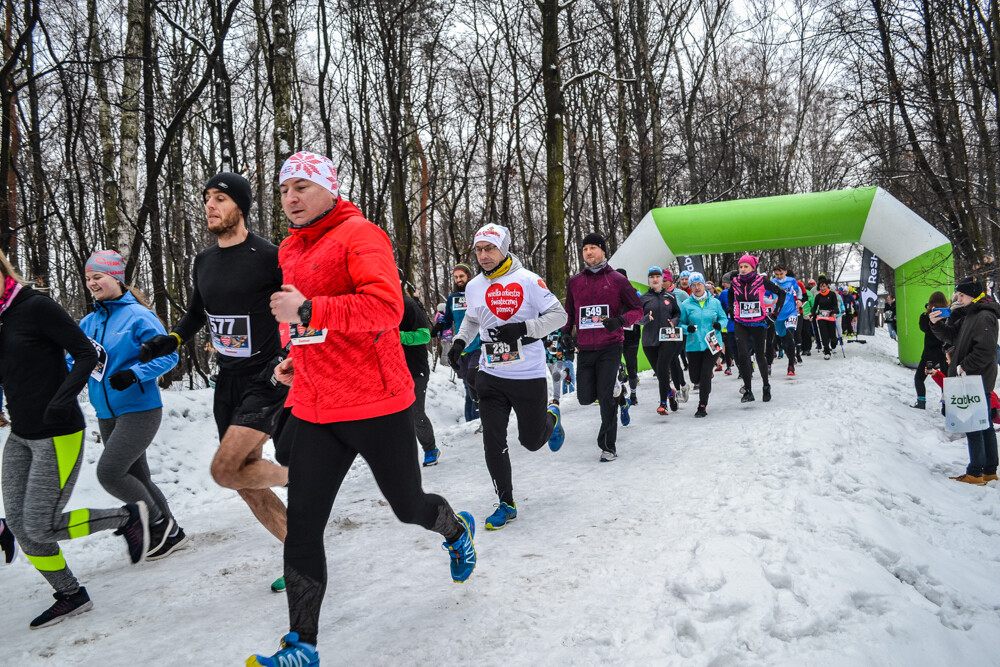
(749, 259)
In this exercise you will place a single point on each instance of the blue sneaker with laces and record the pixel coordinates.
(625, 418)
(431, 457)
(462, 550)
(292, 653)
(503, 514)
(558, 434)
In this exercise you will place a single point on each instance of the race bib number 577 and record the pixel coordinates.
(231, 334)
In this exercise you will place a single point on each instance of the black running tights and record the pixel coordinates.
(744, 336)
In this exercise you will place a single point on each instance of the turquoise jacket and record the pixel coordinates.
(701, 313)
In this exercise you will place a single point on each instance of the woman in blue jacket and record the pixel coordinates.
(701, 315)
(125, 395)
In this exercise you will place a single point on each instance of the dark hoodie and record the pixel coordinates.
(973, 339)
(40, 391)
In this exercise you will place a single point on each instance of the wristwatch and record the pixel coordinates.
(306, 312)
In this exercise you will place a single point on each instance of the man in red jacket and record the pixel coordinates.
(600, 302)
(351, 390)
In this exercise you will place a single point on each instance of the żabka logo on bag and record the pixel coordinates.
(504, 300)
(963, 402)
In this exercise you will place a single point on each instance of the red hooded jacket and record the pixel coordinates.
(344, 264)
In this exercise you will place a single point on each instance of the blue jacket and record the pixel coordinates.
(724, 300)
(701, 314)
(791, 286)
(120, 326)
(454, 313)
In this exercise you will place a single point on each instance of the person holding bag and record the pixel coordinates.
(971, 332)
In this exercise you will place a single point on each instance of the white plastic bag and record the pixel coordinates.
(966, 408)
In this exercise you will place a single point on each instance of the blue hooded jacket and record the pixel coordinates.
(120, 326)
(791, 286)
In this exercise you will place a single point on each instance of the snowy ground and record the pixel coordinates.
(818, 529)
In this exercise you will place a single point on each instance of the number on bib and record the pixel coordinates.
(592, 316)
(231, 334)
(503, 354)
(671, 334)
(750, 310)
(303, 335)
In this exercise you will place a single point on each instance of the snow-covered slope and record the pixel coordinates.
(820, 528)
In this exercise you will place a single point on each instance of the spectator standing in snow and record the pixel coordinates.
(971, 333)
(932, 356)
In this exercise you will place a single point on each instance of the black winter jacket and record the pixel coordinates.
(34, 332)
(973, 340)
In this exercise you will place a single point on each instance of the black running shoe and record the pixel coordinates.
(136, 531)
(170, 545)
(633, 399)
(701, 412)
(747, 397)
(7, 543)
(767, 393)
(65, 606)
(158, 533)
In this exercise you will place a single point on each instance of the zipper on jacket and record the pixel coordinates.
(378, 360)
(107, 362)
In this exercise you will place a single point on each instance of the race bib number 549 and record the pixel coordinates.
(592, 316)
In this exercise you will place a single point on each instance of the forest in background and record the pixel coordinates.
(552, 118)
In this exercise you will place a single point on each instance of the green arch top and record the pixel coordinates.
(920, 255)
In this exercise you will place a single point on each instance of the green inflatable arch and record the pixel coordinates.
(920, 255)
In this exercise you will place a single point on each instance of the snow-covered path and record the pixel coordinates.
(819, 528)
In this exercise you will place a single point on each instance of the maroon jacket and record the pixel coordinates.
(608, 288)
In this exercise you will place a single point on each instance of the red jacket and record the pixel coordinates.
(345, 266)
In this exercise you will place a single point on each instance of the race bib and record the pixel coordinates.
(502, 354)
(750, 310)
(671, 334)
(714, 346)
(592, 316)
(231, 334)
(303, 335)
(102, 360)
(792, 322)
(825, 315)
(460, 303)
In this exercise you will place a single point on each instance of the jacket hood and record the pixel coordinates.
(983, 305)
(125, 299)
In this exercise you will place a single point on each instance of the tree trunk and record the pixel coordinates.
(555, 249)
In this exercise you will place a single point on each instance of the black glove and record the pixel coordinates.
(508, 333)
(122, 380)
(692, 328)
(437, 329)
(455, 353)
(716, 326)
(613, 323)
(157, 346)
(57, 414)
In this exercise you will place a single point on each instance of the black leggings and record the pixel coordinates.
(827, 334)
(528, 399)
(320, 456)
(702, 367)
(920, 376)
(631, 355)
(663, 358)
(596, 378)
(744, 336)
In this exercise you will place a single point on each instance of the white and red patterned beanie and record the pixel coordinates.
(498, 235)
(312, 167)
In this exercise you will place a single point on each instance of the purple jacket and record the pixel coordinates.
(586, 296)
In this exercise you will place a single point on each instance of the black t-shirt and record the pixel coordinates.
(416, 355)
(232, 293)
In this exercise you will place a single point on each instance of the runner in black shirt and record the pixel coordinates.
(233, 283)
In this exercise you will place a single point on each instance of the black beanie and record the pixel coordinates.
(234, 185)
(594, 238)
(969, 286)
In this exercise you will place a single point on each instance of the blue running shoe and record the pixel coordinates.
(625, 418)
(499, 519)
(431, 457)
(462, 550)
(292, 653)
(558, 433)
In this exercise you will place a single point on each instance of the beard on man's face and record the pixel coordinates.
(226, 225)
